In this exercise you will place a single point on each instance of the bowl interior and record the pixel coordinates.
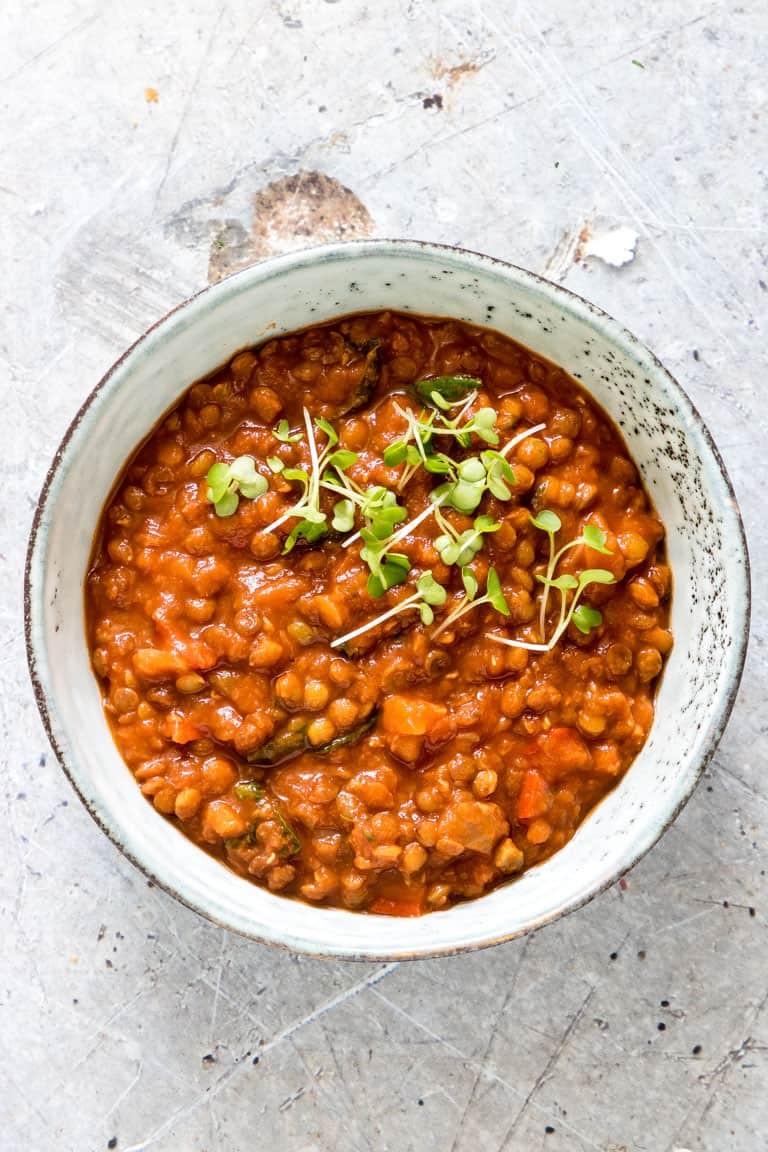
(666, 439)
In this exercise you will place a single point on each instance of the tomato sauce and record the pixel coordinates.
(424, 760)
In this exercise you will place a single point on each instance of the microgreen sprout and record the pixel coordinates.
(549, 522)
(462, 547)
(446, 391)
(284, 435)
(494, 596)
(312, 520)
(428, 596)
(227, 482)
(583, 616)
(387, 567)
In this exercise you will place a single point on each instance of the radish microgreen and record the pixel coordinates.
(227, 482)
(461, 547)
(494, 595)
(428, 596)
(592, 536)
(583, 616)
(313, 522)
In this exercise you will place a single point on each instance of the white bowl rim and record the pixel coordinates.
(239, 281)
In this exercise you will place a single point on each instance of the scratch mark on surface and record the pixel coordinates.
(486, 1071)
(217, 987)
(68, 35)
(484, 1059)
(187, 1110)
(188, 103)
(126, 1091)
(677, 924)
(540, 61)
(549, 1067)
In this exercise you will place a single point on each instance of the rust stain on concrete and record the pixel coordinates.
(453, 73)
(308, 207)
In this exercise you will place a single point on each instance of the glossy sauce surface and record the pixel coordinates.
(402, 772)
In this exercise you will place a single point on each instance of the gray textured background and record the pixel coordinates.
(519, 129)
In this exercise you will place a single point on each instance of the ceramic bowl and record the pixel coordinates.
(682, 471)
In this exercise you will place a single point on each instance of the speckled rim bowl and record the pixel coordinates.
(682, 470)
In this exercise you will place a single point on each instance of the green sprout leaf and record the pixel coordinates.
(342, 459)
(499, 474)
(227, 505)
(596, 576)
(586, 618)
(439, 464)
(330, 431)
(309, 530)
(275, 464)
(218, 481)
(495, 593)
(547, 521)
(439, 402)
(595, 538)
(395, 454)
(564, 583)
(430, 590)
(469, 581)
(449, 389)
(284, 435)
(343, 516)
(227, 482)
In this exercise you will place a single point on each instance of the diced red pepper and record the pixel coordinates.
(535, 797)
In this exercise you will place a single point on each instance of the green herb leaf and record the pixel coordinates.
(439, 464)
(450, 389)
(275, 464)
(330, 431)
(343, 516)
(227, 505)
(249, 790)
(439, 402)
(309, 530)
(284, 435)
(469, 581)
(495, 593)
(342, 459)
(564, 582)
(586, 618)
(293, 844)
(595, 538)
(252, 489)
(394, 454)
(483, 425)
(217, 480)
(426, 613)
(430, 590)
(243, 469)
(596, 576)
(547, 521)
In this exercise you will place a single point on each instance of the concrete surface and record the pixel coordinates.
(639, 1024)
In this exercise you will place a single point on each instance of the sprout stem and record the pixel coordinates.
(519, 438)
(411, 602)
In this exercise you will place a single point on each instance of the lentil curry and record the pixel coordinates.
(378, 611)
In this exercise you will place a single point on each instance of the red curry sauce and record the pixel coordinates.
(402, 771)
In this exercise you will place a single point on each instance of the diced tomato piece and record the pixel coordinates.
(180, 728)
(157, 664)
(558, 752)
(384, 907)
(410, 715)
(535, 797)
